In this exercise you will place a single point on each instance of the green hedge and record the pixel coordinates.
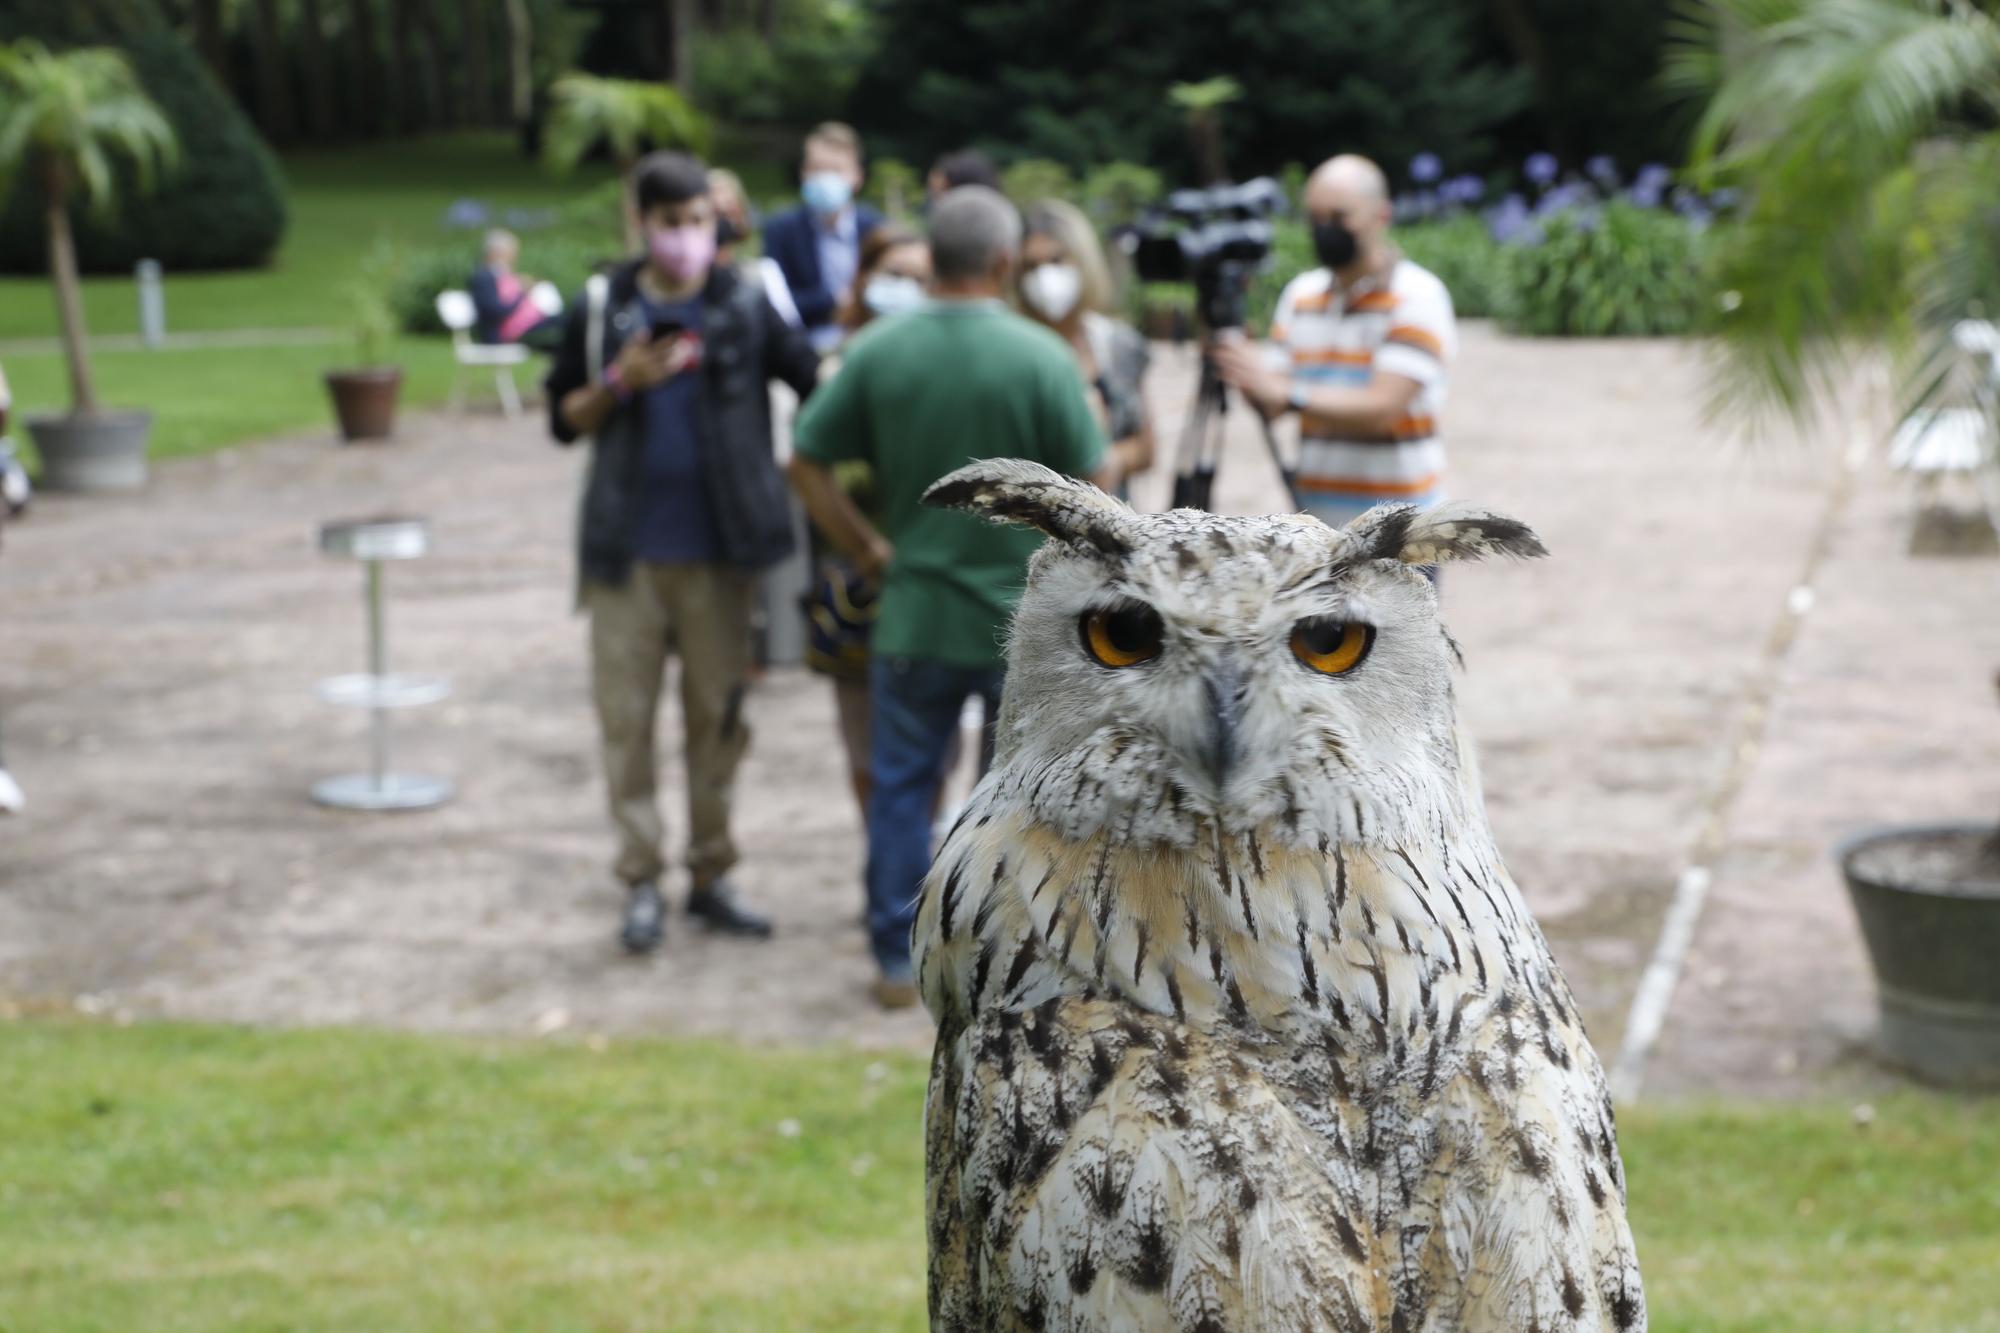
(1609, 270)
(1615, 271)
(224, 207)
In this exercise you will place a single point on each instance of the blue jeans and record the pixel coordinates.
(916, 704)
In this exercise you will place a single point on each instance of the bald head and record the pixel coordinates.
(1351, 190)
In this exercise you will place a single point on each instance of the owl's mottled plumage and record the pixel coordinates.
(1242, 1025)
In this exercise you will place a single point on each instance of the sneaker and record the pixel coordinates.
(716, 907)
(645, 919)
(895, 992)
(12, 799)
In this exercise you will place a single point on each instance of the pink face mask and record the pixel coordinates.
(683, 252)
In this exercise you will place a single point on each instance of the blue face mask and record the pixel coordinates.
(826, 192)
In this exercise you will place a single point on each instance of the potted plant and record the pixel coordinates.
(1862, 135)
(62, 119)
(364, 395)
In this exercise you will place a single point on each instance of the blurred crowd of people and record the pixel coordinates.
(989, 333)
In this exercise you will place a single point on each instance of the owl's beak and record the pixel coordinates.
(1224, 689)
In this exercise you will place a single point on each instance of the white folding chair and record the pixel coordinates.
(455, 310)
(1937, 444)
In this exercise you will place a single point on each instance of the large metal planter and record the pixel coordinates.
(1935, 944)
(104, 451)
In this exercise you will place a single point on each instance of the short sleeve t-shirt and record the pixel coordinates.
(1401, 324)
(672, 525)
(918, 396)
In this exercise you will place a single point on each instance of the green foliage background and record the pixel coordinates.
(223, 208)
(1083, 84)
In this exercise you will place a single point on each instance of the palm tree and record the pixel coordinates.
(62, 118)
(626, 115)
(1865, 137)
(1203, 103)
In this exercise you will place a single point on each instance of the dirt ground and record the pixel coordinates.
(158, 655)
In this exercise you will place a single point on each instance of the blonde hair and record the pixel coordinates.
(1072, 231)
(836, 134)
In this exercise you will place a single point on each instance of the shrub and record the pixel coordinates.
(1465, 257)
(1604, 271)
(896, 187)
(1037, 178)
(1114, 193)
(224, 207)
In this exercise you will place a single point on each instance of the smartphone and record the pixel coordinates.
(664, 328)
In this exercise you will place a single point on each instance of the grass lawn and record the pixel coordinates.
(343, 203)
(204, 399)
(173, 1177)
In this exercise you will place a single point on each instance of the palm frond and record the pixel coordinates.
(623, 114)
(74, 111)
(1820, 111)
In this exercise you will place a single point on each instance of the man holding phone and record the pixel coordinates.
(665, 363)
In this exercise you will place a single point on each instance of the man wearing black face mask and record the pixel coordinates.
(1362, 348)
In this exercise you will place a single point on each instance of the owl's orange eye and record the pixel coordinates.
(1331, 646)
(1124, 635)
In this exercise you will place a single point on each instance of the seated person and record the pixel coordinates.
(500, 297)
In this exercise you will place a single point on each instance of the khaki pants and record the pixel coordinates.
(701, 613)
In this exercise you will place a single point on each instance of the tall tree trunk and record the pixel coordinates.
(69, 297)
(208, 38)
(676, 45)
(317, 58)
(520, 63)
(402, 88)
(437, 66)
(477, 42)
(274, 101)
(366, 88)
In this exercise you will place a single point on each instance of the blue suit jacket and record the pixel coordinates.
(792, 240)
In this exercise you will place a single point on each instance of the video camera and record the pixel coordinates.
(1214, 238)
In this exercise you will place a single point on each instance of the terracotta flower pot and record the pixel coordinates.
(1929, 906)
(364, 401)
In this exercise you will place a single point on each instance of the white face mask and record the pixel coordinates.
(1051, 290)
(892, 294)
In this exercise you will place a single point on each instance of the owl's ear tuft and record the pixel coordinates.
(1013, 490)
(1433, 536)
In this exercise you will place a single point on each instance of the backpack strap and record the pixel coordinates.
(596, 292)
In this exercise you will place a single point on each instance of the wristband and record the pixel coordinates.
(614, 380)
(1296, 399)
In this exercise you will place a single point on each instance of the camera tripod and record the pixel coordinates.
(1200, 450)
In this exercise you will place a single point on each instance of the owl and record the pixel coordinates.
(1242, 1025)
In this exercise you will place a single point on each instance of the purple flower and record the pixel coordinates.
(1462, 190)
(465, 213)
(1542, 168)
(1510, 221)
(1425, 168)
(1725, 198)
(1564, 196)
(1654, 176)
(1603, 170)
(1415, 207)
(1644, 193)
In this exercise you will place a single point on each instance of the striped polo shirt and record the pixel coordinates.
(1398, 325)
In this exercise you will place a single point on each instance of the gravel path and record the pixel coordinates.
(157, 658)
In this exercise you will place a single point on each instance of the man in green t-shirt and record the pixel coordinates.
(917, 396)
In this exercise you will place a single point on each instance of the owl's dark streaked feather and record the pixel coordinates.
(1266, 1042)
